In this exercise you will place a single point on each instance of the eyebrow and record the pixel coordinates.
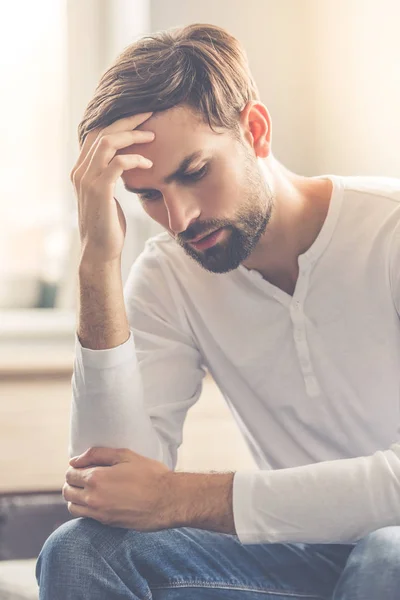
(181, 170)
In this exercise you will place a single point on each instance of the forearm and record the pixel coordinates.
(102, 320)
(202, 500)
(329, 502)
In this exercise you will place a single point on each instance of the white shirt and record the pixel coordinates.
(313, 380)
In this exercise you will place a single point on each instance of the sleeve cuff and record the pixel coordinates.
(242, 506)
(103, 359)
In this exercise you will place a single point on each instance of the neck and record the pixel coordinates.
(300, 208)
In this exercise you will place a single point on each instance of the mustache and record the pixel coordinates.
(202, 229)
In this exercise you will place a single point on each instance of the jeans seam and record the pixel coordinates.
(243, 588)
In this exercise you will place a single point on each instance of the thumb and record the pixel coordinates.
(97, 456)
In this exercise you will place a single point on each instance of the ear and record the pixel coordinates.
(256, 126)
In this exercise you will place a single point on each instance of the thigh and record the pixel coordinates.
(175, 564)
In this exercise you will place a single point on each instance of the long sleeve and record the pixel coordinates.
(137, 395)
(328, 502)
(394, 267)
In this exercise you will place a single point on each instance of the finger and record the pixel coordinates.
(76, 510)
(125, 124)
(119, 164)
(87, 511)
(75, 495)
(75, 477)
(108, 145)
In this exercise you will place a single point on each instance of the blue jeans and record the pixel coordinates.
(85, 560)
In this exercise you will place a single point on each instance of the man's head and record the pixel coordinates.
(197, 82)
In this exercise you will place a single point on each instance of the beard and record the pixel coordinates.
(241, 234)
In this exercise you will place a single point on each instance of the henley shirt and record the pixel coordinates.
(312, 380)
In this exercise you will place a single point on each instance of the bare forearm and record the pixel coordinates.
(202, 500)
(102, 320)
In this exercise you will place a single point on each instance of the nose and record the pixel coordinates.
(182, 209)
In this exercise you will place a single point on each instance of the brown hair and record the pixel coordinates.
(202, 66)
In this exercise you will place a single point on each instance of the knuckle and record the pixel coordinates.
(119, 160)
(92, 501)
(92, 478)
(105, 141)
(89, 479)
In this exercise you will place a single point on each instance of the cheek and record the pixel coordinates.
(222, 191)
(157, 211)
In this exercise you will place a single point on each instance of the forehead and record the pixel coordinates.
(178, 118)
(178, 133)
(174, 127)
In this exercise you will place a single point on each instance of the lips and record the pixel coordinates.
(209, 240)
(202, 237)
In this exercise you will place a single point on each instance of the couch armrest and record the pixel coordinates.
(27, 520)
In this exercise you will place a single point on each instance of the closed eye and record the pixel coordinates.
(196, 175)
(184, 177)
(149, 195)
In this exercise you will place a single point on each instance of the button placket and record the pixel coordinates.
(298, 334)
(299, 330)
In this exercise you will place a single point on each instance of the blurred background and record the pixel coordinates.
(329, 73)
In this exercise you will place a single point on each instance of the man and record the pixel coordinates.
(287, 289)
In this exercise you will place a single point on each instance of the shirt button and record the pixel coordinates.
(312, 386)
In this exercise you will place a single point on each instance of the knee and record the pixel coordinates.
(381, 546)
(373, 568)
(72, 549)
(68, 548)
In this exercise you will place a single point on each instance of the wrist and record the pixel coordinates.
(89, 266)
(203, 500)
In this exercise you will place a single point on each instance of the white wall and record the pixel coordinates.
(328, 71)
(357, 86)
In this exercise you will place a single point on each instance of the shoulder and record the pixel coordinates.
(368, 188)
(370, 213)
(371, 204)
